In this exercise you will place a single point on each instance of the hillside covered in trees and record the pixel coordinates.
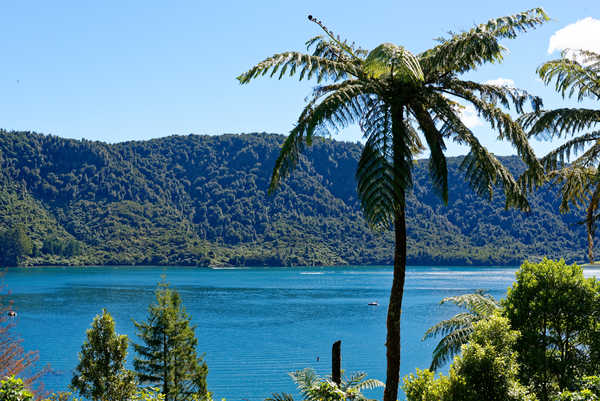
(202, 200)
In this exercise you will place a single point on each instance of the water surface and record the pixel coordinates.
(253, 325)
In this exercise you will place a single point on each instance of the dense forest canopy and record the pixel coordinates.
(202, 200)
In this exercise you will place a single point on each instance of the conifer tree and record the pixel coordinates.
(168, 353)
(101, 373)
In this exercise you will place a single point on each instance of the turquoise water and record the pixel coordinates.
(254, 325)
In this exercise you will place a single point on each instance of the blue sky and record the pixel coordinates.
(129, 70)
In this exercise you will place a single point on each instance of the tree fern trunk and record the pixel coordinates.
(590, 221)
(395, 308)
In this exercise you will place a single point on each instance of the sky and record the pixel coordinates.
(131, 70)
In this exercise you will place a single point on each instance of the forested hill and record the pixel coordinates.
(202, 200)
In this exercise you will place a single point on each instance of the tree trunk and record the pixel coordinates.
(590, 222)
(336, 362)
(395, 308)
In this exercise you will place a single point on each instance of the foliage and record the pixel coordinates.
(148, 394)
(424, 386)
(576, 73)
(177, 205)
(101, 372)
(315, 388)
(13, 389)
(556, 310)
(14, 246)
(587, 390)
(457, 330)
(168, 354)
(487, 369)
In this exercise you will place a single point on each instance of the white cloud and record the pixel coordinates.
(469, 117)
(583, 34)
(501, 82)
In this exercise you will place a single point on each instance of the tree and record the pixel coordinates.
(101, 373)
(14, 244)
(13, 389)
(457, 330)
(556, 310)
(487, 369)
(576, 73)
(393, 95)
(168, 353)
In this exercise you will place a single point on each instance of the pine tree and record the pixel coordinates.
(101, 373)
(168, 355)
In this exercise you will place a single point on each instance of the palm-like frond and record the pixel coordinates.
(560, 156)
(467, 50)
(437, 160)
(342, 105)
(503, 124)
(505, 96)
(384, 171)
(576, 183)
(449, 346)
(457, 329)
(308, 66)
(572, 77)
(549, 124)
(478, 303)
(482, 169)
(314, 388)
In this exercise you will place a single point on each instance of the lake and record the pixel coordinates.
(253, 325)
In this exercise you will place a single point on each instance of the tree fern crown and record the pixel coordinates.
(406, 103)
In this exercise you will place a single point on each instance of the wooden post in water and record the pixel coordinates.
(336, 362)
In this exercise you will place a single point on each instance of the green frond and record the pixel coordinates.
(549, 124)
(571, 77)
(504, 95)
(342, 47)
(437, 160)
(355, 379)
(369, 384)
(478, 303)
(449, 346)
(590, 157)
(384, 171)
(506, 127)
(576, 183)
(391, 59)
(467, 50)
(305, 380)
(447, 326)
(377, 189)
(307, 66)
(560, 156)
(342, 105)
(482, 169)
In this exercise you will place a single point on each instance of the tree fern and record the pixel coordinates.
(406, 102)
(455, 331)
(576, 74)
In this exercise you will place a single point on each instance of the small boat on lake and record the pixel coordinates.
(374, 303)
(12, 313)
